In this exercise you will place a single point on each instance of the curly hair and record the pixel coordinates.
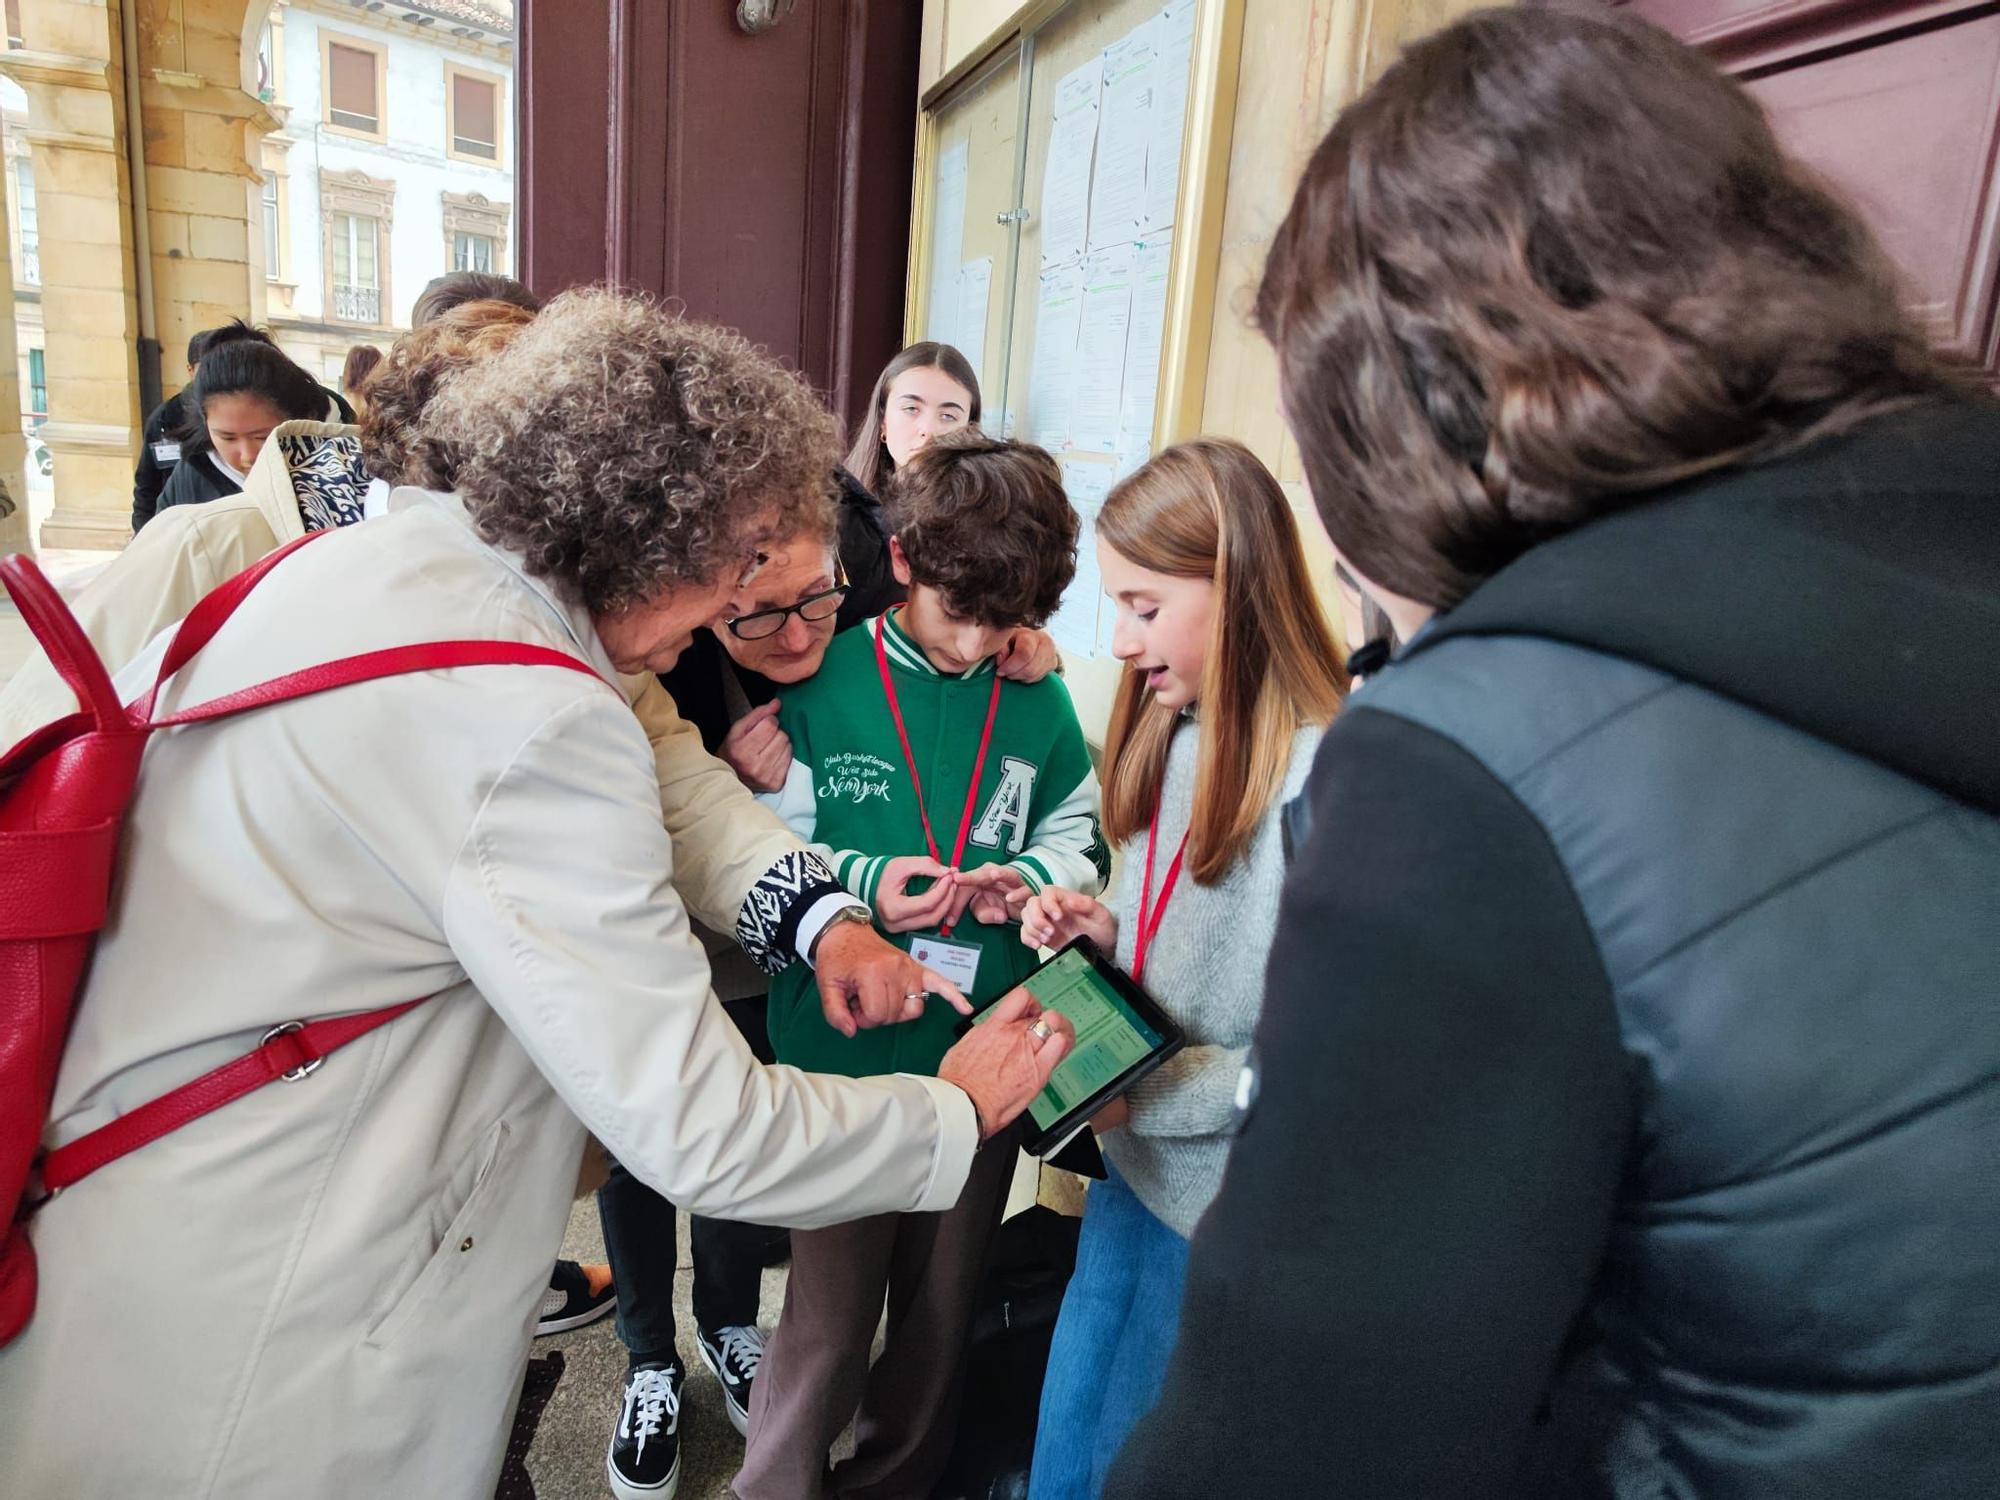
(985, 522)
(621, 449)
(1551, 261)
(394, 448)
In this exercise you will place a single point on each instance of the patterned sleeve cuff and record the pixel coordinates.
(768, 927)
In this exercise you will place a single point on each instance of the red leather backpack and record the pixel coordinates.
(63, 794)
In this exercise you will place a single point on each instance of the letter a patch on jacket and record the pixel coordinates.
(1008, 807)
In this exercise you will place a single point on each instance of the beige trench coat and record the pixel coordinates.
(327, 1288)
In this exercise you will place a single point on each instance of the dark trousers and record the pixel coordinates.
(642, 1244)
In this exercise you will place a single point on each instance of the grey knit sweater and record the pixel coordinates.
(1206, 969)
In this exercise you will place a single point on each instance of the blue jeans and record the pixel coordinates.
(1119, 1320)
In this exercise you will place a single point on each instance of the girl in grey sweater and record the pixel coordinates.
(1230, 676)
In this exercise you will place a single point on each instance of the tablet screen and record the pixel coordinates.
(1110, 1036)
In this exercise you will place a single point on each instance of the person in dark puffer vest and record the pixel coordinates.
(1625, 1114)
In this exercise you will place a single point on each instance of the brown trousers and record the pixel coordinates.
(815, 1371)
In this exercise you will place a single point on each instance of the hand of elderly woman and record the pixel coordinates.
(865, 981)
(1028, 656)
(757, 750)
(1006, 1060)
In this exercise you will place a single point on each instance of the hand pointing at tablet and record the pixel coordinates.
(1004, 1063)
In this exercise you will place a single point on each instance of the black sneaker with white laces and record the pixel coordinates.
(569, 1302)
(734, 1354)
(645, 1458)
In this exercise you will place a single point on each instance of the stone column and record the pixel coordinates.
(71, 69)
(14, 530)
(204, 195)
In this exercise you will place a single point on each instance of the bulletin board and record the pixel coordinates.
(1066, 234)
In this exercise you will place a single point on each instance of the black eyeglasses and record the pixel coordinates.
(766, 623)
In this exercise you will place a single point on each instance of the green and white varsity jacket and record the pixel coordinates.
(849, 794)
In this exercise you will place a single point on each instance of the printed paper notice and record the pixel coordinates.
(975, 289)
(1150, 261)
(1173, 36)
(1066, 183)
(1075, 624)
(1100, 349)
(947, 246)
(1052, 376)
(1125, 128)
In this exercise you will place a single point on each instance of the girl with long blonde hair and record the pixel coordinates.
(1230, 676)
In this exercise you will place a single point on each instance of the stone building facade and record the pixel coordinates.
(150, 140)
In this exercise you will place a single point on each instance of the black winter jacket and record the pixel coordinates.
(159, 454)
(1627, 1099)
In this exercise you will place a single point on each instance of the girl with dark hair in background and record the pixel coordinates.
(927, 389)
(243, 389)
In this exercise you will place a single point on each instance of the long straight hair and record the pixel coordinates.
(1209, 509)
(869, 461)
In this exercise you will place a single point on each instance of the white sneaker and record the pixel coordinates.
(734, 1354)
(645, 1458)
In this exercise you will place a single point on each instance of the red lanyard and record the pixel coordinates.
(1150, 915)
(910, 759)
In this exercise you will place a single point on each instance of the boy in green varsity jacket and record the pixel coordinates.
(944, 797)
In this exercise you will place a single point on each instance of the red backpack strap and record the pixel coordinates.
(394, 661)
(289, 1052)
(215, 607)
(69, 649)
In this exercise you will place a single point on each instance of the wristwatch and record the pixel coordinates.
(853, 912)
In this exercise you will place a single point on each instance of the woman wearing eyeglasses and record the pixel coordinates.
(727, 684)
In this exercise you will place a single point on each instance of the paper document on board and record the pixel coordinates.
(1100, 349)
(1052, 376)
(1173, 48)
(1124, 132)
(1076, 624)
(1066, 179)
(975, 290)
(947, 245)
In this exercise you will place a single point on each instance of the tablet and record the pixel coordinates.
(1121, 1036)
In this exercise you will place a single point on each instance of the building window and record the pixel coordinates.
(267, 69)
(472, 115)
(357, 268)
(31, 232)
(472, 252)
(354, 87)
(273, 266)
(38, 385)
(475, 232)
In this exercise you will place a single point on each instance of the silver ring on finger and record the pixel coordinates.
(914, 997)
(1041, 1031)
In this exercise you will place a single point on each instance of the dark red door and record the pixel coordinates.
(763, 181)
(1900, 106)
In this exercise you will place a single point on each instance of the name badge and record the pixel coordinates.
(958, 962)
(166, 453)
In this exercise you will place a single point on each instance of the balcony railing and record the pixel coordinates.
(357, 304)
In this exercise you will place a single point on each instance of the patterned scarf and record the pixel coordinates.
(327, 478)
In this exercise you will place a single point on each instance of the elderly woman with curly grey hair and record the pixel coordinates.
(489, 837)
